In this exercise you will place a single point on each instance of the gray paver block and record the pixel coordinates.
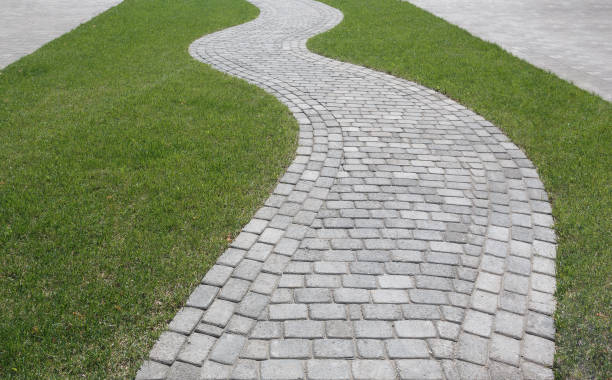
(372, 329)
(227, 348)
(304, 329)
(290, 349)
(183, 371)
(215, 371)
(246, 370)
(151, 370)
(321, 369)
(196, 349)
(472, 348)
(282, 369)
(202, 296)
(504, 349)
(415, 329)
(373, 369)
(407, 349)
(538, 350)
(419, 369)
(167, 347)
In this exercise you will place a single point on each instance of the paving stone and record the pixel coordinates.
(234, 290)
(281, 312)
(503, 371)
(441, 348)
(390, 296)
(202, 296)
(371, 348)
(414, 311)
(196, 348)
(478, 323)
(328, 369)
(255, 349)
(183, 371)
(333, 348)
(283, 369)
(448, 330)
(541, 325)
(186, 320)
(215, 371)
(227, 348)
(419, 369)
(538, 350)
(415, 329)
(304, 329)
(407, 349)
(382, 312)
(373, 369)
(504, 349)
(209, 329)
(372, 329)
(468, 370)
(267, 330)
(290, 349)
(472, 348)
(219, 312)
(151, 370)
(533, 371)
(349, 295)
(509, 324)
(217, 275)
(240, 325)
(167, 347)
(246, 370)
(339, 329)
(327, 311)
(313, 295)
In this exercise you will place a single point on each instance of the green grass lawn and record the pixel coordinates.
(125, 166)
(565, 131)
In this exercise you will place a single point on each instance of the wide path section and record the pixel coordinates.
(409, 239)
(26, 25)
(571, 38)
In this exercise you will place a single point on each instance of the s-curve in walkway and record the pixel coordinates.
(26, 25)
(571, 38)
(409, 238)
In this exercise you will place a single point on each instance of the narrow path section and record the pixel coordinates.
(571, 38)
(409, 238)
(26, 25)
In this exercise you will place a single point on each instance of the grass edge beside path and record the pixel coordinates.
(565, 131)
(127, 166)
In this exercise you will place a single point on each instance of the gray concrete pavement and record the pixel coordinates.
(409, 238)
(26, 25)
(571, 38)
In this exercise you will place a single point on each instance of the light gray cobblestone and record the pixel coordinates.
(408, 239)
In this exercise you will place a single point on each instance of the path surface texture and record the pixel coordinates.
(409, 238)
(571, 38)
(26, 25)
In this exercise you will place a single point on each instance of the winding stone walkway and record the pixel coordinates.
(409, 238)
(571, 38)
(26, 25)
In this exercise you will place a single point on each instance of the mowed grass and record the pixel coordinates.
(125, 167)
(565, 131)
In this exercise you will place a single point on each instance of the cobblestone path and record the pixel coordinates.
(409, 238)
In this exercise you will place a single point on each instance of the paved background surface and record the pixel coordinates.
(409, 238)
(572, 38)
(26, 25)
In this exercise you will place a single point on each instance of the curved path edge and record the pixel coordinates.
(409, 238)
